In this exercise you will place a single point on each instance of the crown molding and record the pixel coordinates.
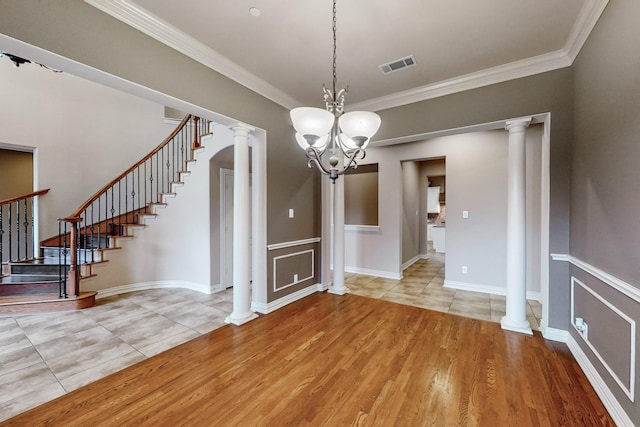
(514, 70)
(154, 27)
(144, 21)
(587, 19)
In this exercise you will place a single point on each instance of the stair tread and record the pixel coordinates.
(28, 278)
(45, 302)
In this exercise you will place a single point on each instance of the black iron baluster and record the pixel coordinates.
(157, 191)
(168, 165)
(151, 179)
(1, 235)
(92, 230)
(113, 211)
(126, 200)
(139, 196)
(26, 229)
(10, 222)
(99, 223)
(33, 228)
(120, 208)
(145, 184)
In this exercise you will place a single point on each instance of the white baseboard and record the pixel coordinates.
(410, 262)
(609, 401)
(553, 334)
(477, 287)
(376, 273)
(162, 284)
(324, 286)
(272, 306)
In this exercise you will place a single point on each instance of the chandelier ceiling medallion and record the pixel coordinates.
(343, 137)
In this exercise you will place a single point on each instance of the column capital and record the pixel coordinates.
(241, 129)
(517, 124)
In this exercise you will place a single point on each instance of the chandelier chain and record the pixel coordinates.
(335, 75)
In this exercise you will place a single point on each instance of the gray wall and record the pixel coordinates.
(410, 211)
(76, 30)
(548, 92)
(605, 206)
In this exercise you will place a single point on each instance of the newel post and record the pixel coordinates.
(196, 131)
(73, 276)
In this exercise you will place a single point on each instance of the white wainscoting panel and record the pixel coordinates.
(629, 391)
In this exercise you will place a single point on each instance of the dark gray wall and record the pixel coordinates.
(548, 92)
(605, 225)
(605, 205)
(76, 30)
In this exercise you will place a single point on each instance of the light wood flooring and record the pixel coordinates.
(330, 360)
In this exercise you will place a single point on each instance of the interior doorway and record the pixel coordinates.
(226, 228)
(16, 172)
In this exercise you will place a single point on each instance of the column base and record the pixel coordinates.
(337, 291)
(523, 327)
(240, 319)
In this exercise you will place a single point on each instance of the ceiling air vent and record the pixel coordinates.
(398, 64)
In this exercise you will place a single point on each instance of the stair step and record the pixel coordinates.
(27, 278)
(45, 302)
(39, 267)
(29, 285)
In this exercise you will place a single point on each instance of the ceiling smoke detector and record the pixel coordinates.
(398, 64)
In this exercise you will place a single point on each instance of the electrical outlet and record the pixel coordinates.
(295, 278)
(291, 212)
(465, 214)
(464, 269)
(582, 327)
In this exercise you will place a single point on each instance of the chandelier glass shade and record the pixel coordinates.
(332, 139)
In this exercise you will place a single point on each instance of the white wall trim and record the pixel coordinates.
(161, 284)
(588, 18)
(610, 402)
(376, 273)
(477, 287)
(514, 70)
(295, 282)
(553, 334)
(162, 31)
(630, 391)
(362, 228)
(618, 284)
(413, 261)
(151, 25)
(287, 299)
(293, 243)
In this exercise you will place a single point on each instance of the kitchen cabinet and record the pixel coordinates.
(438, 234)
(433, 200)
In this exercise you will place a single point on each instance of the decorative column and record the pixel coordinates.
(516, 312)
(241, 225)
(338, 287)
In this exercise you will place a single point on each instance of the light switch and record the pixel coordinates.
(290, 213)
(465, 214)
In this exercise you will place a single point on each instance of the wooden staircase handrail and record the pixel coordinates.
(113, 182)
(25, 196)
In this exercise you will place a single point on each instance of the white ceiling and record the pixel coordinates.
(285, 54)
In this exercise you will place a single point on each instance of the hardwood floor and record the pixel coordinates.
(342, 360)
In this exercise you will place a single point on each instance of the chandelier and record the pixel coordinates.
(342, 137)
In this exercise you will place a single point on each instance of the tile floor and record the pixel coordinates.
(423, 286)
(36, 366)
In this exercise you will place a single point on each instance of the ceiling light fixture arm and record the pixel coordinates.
(345, 134)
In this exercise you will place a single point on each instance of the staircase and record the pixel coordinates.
(52, 280)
